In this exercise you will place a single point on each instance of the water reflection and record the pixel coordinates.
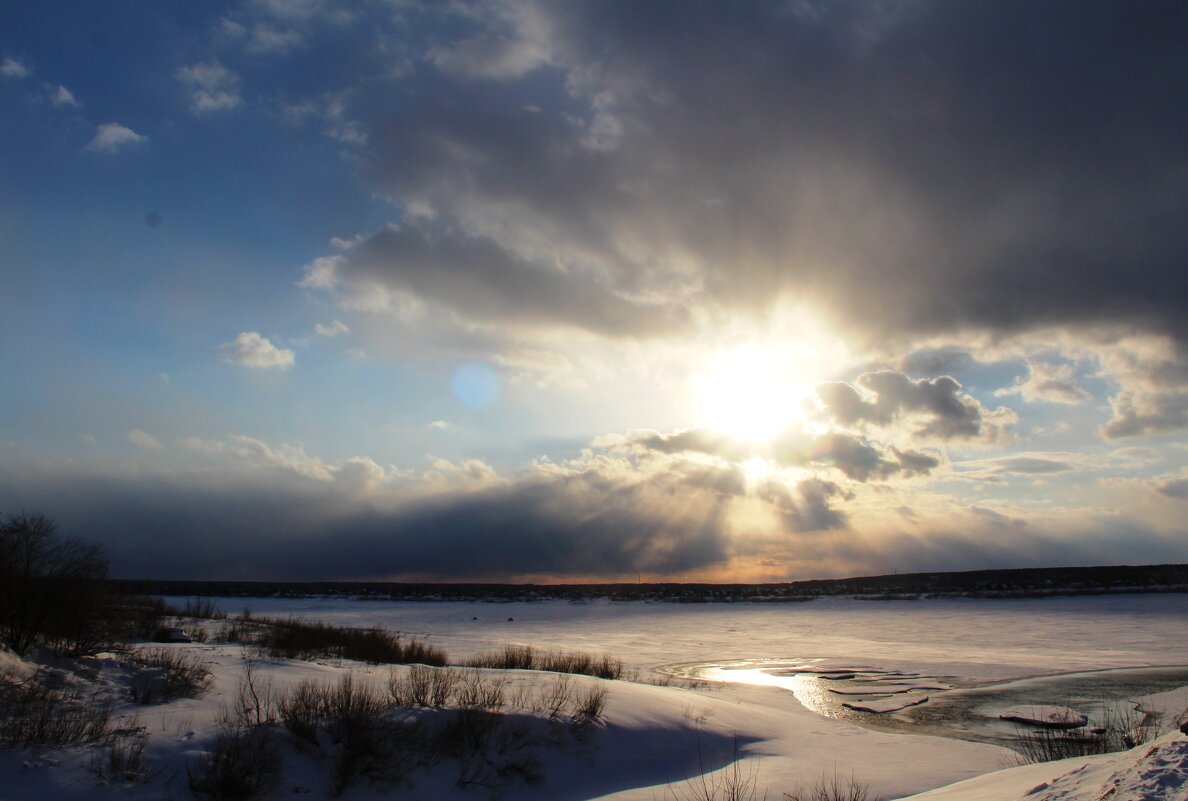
(952, 708)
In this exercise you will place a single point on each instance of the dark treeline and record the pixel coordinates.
(1023, 582)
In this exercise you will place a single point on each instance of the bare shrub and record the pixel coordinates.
(44, 710)
(257, 702)
(303, 710)
(414, 688)
(363, 734)
(444, 686)
(1120, 730)
(589, 705)
(476, 690)
(243, 763)
(168, 673)
(731, 781)
(834, 787)
(123, 758)
(555, 696)
(201, 609)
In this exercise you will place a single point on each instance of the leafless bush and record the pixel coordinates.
(413, 688)
(168, 673)
(731, 781)
(244, 762)
(590, 704)
(303, 710)
(257, 701)
(444, 686)
(424, 686)
(834, 787)
(1121, 729)
(201, 609)
(45, 710)
(364, 735)
(555, 696)
(476, 690)
(123, 758)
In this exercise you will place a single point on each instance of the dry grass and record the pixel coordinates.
(525, 657)
(293, 638)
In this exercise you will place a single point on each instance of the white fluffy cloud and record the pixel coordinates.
(111, 137)
(250, 349)
(212, 87)
(332, 329)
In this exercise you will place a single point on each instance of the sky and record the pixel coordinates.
(576, 291)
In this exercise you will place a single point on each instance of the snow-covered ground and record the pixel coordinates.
(651, 738)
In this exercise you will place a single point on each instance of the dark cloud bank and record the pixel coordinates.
(916, 166)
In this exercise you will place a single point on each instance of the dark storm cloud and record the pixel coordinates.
(917, 166)
(1175, 488)
(938, 361)
(486, 283)
(944, 411)
(585, 523)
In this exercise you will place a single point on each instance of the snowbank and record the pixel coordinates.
(1157, 771)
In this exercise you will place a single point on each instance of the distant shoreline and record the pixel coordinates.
(1010, 583)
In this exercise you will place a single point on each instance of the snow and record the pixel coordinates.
(1057, 717)
(884, 705)
(1157, 771)
(653, 737)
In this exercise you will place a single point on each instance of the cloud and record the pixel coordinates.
(889, 165)
(111, 137)
(512, 41)
(479, 281)
(212, 87)
(251, 509)
(1027, 464)
(1051, 383)
(332, 329)
(938, 406)
(938, 361)
(64, 98)
(856, 458)
(250, 349)
(14, 68)
(268, 39)
(144, 440)
(321, 273)
(1174, 488)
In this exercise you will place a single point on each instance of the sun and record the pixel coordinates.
(752, 392)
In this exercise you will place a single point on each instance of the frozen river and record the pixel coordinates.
(973, 639)
(957, 662)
